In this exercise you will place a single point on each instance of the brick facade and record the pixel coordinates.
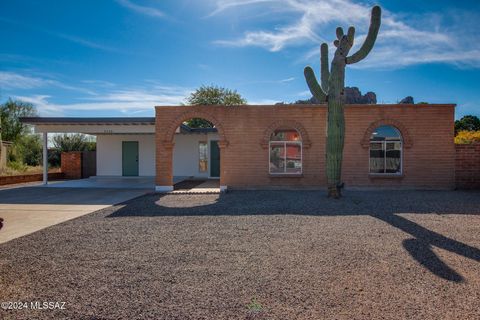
(467, 166)
(71, 164)
(244, 131)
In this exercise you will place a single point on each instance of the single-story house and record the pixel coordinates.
(274, 146)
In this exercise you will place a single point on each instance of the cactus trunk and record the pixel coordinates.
(335, 142)
(335, 127)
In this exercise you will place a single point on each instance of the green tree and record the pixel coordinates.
(212, 95)
(10, 112)
(27, 148)
(467, 123)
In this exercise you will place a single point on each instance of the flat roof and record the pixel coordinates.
(87, 121)
(59, 121)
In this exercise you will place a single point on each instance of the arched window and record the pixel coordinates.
(386, 151)
(285, 152)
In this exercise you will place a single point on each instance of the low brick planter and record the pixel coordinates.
(29, 178)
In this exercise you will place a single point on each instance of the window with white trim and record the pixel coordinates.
(203, 156)
(285, 152)
(386, 151)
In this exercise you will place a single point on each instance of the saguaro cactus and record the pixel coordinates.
(332, 91)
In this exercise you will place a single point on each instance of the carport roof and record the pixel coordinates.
(89, 121)
(94, 125)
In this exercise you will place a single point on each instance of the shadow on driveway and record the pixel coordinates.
(386, 206)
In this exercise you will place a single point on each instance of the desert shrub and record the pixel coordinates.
(73, 142)
(17, 166)
(29, 150)
(54, 157)
(467, 137)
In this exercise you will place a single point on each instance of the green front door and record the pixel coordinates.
(214, 159)
(130, 158)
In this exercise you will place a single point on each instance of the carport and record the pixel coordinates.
(125, 146)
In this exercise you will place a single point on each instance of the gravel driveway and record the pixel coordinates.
(256, 255)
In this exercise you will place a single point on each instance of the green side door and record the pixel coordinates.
(214, 159)
(130, 158)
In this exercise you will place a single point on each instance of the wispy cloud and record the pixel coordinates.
(124, 100)
(84, 42)
(149, 11)
(309, 16)
(287, 80)
(280, 81)
(263, 102)
(228, 4)
(13, 80)
(99, 83)
(421, 40)
(41, 103)
(96, 95)
(305, 93)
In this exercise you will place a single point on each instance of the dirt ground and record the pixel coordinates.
(255, 255)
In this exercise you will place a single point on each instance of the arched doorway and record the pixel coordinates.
(192, 149)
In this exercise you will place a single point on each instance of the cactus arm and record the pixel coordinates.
(325, 72)
(371, 37)
(313, 85)
(351, 35)
(340, 33)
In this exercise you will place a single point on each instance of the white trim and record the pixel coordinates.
(223, 188)
(285, 148)
(207, 157)
(163, 188)
(384, 149)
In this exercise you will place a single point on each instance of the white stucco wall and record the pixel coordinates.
(186, 154)
(109, 154)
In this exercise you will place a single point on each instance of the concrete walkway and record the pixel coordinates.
(29, 209)
(208, 186)
(107, 182)
(111, 182)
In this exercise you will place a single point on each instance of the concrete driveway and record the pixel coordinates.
(29, 209)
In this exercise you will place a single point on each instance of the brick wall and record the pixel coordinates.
(29, 178)
(467, 166)
(428, 154)
(71, 163)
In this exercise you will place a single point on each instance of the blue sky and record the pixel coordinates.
(122, 57)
